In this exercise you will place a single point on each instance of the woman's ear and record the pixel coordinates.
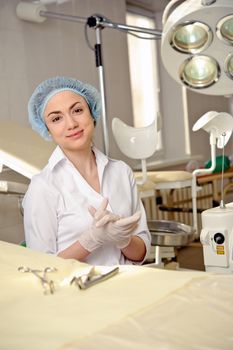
(48, 130)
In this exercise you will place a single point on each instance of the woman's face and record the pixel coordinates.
(68, 118)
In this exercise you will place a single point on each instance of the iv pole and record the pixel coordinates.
(35, 12)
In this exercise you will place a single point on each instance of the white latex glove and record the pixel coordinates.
(97, 236)
(108, 227)
(102, 215)
(118, 230)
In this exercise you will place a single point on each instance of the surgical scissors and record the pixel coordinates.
(48, 285)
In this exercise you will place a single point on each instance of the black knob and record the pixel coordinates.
(219, 238)
(91, 21)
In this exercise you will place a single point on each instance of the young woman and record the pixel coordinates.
(83, 205)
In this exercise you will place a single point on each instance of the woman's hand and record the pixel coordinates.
(121, 230)
(109, 227)
(101, 215)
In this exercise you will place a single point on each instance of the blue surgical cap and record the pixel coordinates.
(48, 89)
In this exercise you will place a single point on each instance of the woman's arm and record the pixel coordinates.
(140, 244)
(75, 251)
(40, 218)
(40, 224)
(136, 250)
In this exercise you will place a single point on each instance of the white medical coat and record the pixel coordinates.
(56, 206)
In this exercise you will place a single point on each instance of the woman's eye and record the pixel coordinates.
(56, 118)
(77, 110)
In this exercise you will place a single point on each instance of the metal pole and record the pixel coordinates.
(100, 68)
(127, 28)
(69, 18)
(103, 22)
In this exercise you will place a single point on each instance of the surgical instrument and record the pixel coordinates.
(92, 277)
(47, 284)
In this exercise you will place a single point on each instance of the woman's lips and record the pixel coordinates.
(76, 134)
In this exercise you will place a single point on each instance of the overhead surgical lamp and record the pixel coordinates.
(197, 45)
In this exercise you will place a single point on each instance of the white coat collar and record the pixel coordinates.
(58, 156)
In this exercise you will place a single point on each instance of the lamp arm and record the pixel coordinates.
(127, 28)
(99, 20)
(70, 18)
(144, 170)
(213, 159)
(202, 172)
(144, 173)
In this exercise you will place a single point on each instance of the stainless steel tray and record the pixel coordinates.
(170, 233)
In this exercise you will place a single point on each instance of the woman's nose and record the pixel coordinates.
(71, 121)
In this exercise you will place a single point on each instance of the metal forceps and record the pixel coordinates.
(47, 284)
(92, 277)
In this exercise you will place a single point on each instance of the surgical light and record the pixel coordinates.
(191, 37)
(199, 71)
(229, 66)
(225, 29)
(197, 42)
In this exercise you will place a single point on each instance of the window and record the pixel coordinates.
(143, 73)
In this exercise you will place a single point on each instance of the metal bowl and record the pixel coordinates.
(170, 233)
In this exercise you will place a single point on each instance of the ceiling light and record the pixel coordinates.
(191, 37)
(229, 66)
(199, 71)
(196, 47)
(225, 29)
